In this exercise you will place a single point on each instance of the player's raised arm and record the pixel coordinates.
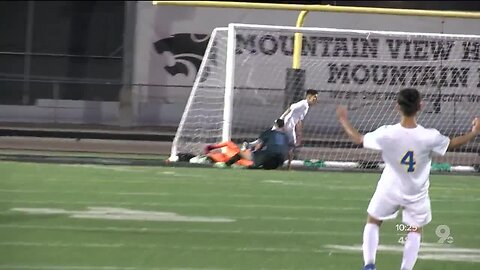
(465, 138)
(352, 132)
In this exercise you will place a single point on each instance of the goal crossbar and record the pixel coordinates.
(293, 29)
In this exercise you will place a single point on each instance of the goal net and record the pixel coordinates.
(241, 88)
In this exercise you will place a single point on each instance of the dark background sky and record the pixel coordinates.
(428, 5)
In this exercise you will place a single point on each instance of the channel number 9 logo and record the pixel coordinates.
(443, 233)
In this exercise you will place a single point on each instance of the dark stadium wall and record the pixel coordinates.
(76, 51)
(70, 41)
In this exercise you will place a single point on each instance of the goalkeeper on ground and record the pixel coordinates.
(269, 153)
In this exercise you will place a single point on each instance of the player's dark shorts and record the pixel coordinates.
(268, 160)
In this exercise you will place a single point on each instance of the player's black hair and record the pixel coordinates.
(311, 92)
(280, 123)
(409, 101)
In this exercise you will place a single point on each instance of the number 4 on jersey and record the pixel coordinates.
(409, 160)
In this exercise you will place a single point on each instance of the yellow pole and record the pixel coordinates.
(297, 45)
(325, 8)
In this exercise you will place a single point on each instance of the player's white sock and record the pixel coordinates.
(370, 243)
(255, 142)
(410, 251)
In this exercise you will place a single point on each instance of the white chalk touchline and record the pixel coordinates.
(428, 251)
(85, 192)
(100, 267)
(209, 205)
(207, 181)
(115, 213)
(160, 230)
(425, 247)
(155, 246)
(359, 220)
(339, 186)
(219, 195)
(337, 234)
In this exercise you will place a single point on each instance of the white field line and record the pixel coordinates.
(360, 220)
(110, 168)
(156, 246)
(192, 231)
(208, 180)
(336, 220)
(228, 182)
(34, 191)
(451, 257)
(113, 213)
(340, 185)
(219, 195)
(263, 218)
(70, 267)
(220, 182)
(427, 252)
(112, 229)
(203, 205)
(266, 218)
(209, 205)
(425, 248)
(102, 267)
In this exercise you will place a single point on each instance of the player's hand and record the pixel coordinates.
(476, 125)
(342, 113)
(208, 148)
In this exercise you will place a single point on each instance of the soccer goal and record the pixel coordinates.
(245, 82)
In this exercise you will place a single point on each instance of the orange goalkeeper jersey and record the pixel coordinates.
(230, 151)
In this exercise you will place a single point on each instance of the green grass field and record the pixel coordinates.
(133, 218)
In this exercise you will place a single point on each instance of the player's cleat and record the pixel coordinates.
(369, 267)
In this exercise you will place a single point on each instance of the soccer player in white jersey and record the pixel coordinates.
(406, 148)
(293, 118)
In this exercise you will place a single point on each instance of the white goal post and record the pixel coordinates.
(244, 84)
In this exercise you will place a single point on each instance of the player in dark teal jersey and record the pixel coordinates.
(272, 150)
